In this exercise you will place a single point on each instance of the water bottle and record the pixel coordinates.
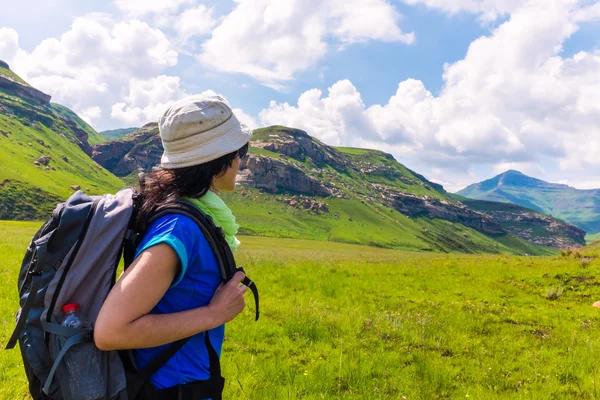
(72, 320)
(85, 380)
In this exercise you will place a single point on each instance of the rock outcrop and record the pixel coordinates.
(297, 144)
(540, 229)
(139, 151)
(530, 225)
(21, 89)
(275, 176)
(415, 207)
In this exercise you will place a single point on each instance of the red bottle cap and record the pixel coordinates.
(70, 307)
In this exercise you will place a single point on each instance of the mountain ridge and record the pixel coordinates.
(575, 206)
(295, 172)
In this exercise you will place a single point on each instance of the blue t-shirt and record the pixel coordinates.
(193, 287)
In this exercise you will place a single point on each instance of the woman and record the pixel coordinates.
(172, 289)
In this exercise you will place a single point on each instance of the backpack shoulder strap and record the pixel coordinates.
(216, 239)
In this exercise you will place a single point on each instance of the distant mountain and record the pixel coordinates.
(45, 149)
(117, 133)
(578, 207)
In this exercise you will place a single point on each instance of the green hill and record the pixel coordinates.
(45, 149)
(578, 207)
(294, 186)
(117, 133)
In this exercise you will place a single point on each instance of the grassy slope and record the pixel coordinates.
(93, 136)
(350, 322)
(591, 250)
(20, 148)
(268, 215)
(414, 185)
(9, 74)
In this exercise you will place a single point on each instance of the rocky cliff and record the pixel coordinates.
(136, 152)
(9, 81)
(415, 206)
(275, 176)
(530, 225)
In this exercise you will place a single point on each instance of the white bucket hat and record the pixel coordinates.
(198, 129)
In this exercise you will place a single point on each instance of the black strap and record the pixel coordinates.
(35, 286)
(250, 284)
(210, 388)
(61, 330)
(153, 366)
(145, 373)
(213, 357)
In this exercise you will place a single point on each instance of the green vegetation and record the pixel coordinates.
(351, 322)
(9, 74)
(591, 250)
(29, 131)
(93, 137)
(353, 221)
(382, 168)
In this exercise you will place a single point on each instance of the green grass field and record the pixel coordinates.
(351, 322)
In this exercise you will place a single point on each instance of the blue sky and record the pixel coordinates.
(393, 75)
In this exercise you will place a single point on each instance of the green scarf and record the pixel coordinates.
(211, 204)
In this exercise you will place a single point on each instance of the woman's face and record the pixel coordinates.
(226, 182)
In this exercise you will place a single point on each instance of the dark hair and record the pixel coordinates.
(164, 186)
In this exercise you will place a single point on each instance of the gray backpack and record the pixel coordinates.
(73, 258)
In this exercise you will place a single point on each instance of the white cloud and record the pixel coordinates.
(244, 118)
(147, 99)
(90, 114)
(197, 21)
(588, 13)
(489, 10)
(513, 100)
(9, 43)
(92, 64)
(271, 40)
(140, 7)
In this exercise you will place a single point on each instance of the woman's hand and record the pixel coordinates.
(228, 301)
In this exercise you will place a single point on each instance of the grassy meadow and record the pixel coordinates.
(343, 321)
